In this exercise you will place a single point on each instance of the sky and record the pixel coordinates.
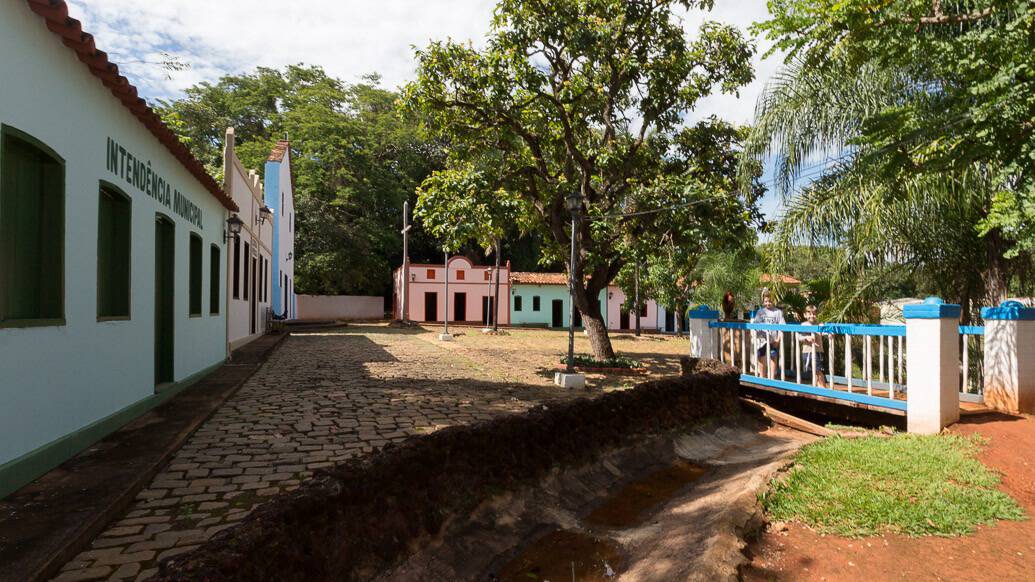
(348, 38)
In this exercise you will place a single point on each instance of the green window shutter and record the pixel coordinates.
(237, 267)
(247, 259)
(32, 228)
(213, 279)
(113, 253)
(195, 274)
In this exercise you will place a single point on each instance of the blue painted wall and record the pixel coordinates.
(271, 180)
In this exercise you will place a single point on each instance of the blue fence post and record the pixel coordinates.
(702, 337)
(1010, 357)
(932, 365)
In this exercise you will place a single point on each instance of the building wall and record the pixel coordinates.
(340, 307)
(247, 192)
(279, 186)
(473, 284)
(663, 324)
(547, 295)
(616, 298)
(59, 379)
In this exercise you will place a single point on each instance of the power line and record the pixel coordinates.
(653, 210)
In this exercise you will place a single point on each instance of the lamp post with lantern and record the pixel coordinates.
(569, 378)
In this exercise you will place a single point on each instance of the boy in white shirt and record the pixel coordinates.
(813, 356)
(770, 347)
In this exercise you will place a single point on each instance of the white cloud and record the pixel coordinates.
(348, 38)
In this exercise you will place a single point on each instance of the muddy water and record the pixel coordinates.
(633, 503)
(564, 555)
(571, 555)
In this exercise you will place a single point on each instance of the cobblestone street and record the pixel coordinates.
(321, 398)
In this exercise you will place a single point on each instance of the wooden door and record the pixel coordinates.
(430, 306)
(557, 319)
(460, 307)
(165, 275)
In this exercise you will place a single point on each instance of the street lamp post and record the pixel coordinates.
(570, 379)
(444, 336)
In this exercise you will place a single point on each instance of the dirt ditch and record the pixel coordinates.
(657, 482)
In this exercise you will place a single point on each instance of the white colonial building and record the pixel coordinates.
(112, 247)
(250, 262)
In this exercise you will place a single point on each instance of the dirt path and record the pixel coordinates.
(1000, 552)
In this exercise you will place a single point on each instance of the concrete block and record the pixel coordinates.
(566, 380)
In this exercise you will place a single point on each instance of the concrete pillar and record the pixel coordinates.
(1010, 357)
(932, 365)
(702, 338)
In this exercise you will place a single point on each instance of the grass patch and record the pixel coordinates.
(909, 484)
(586, 361)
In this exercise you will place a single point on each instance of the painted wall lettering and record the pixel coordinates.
(138, 173)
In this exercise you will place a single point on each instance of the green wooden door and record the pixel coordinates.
(165, 273)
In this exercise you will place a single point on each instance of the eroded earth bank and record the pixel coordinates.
(659, 482)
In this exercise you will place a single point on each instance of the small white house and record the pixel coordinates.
(112, 248)
(249, 265)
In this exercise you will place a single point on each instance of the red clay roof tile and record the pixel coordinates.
(277, 154)
(539, 278)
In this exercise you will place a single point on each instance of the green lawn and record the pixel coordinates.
(909, 484)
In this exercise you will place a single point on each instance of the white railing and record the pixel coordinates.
(972, 363)
(872, 359)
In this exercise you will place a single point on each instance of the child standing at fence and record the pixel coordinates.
(813, 356)
(770, 340)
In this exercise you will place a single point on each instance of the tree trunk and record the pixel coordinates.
(678, 317)
(495, 315)
(997, 278)
(593, 322)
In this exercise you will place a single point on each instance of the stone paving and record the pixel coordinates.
(321, 398)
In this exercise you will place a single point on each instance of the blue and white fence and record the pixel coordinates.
(923, 368)
(870, 369)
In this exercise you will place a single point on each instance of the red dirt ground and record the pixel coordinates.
(1004, 551)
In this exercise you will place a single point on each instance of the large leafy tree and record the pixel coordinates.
(582, 97)
(926, 109)
(468, 203)
(707, 156)
(356, 158)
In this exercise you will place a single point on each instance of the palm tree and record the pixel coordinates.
(875, 199)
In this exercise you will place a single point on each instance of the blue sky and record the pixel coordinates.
(348, 38)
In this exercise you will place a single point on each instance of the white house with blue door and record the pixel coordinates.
(280, 198)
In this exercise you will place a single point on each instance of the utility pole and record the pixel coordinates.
(404, 313)
(444, 336)
(496, 298)
(637, 299)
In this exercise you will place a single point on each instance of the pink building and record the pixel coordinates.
(471, 292)
(619, 319)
